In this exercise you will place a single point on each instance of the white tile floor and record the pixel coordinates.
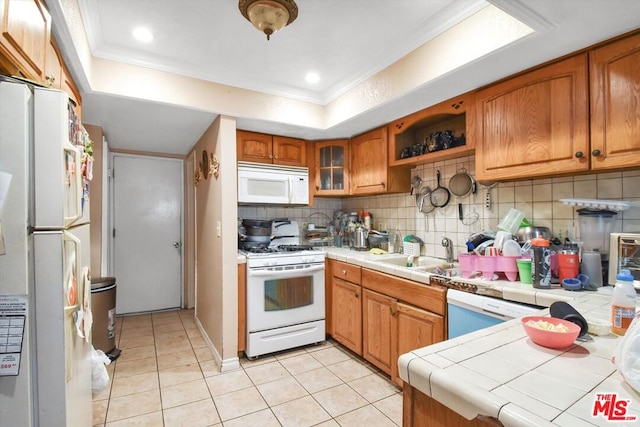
(166, 376)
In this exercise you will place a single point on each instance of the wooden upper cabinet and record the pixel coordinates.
(332, 168)
(25, 33)
(53, 66)
(370, 172)
(535, 124)
(289, 151)
(615, 104)
(68, 85)
(254, 147)
(410, 138)
(263, 148)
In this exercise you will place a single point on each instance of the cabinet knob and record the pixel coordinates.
(393, 312)
(344, 272)
(596, 152)
(357, 295)
(579, 154)
(270, 156)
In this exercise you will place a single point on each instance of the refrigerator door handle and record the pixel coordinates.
(72, 275)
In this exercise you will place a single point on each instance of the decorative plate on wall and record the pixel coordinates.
(204, 166)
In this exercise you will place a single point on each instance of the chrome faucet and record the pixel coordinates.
(448, 245)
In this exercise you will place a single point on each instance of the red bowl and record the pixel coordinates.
(551, 338)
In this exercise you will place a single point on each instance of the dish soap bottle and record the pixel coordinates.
(623, 303)
(397, 241)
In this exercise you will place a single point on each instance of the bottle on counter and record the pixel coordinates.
(397, 241)
(541, 263)
(623, 303)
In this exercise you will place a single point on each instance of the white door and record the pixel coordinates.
(147, 233)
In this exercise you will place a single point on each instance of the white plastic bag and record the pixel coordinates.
(627, 354)
(100, 376)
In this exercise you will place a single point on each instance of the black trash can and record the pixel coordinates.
(103, 306)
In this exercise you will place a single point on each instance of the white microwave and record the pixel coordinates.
(272, 184)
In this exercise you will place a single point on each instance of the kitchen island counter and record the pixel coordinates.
(500, 373)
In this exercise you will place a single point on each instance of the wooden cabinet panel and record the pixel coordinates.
(379, 328)
(455, 114)
(289, 151)
(615, 101)
(254, 147)
(25, 31)
(416, 329)
(430, 298)
(369, 162)
(53, 66)
(349, 272)
(420, 410)
(69, 86)
(332, 168)
(534, 124)
(263, 148)
(369, 166)
(347, 314)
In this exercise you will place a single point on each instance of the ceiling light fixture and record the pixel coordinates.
(312, 77)
(269, 16)
(142, 35)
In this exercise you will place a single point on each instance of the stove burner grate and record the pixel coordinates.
(260, 250)
(294, 248)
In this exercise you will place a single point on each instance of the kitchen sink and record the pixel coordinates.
(419, 263)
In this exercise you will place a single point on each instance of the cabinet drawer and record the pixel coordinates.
(344, 271)
(430, 298)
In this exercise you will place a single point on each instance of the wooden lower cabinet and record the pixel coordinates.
(379, 330)
(420, 410)
(392, 326)
(417, 328)
(346, 315)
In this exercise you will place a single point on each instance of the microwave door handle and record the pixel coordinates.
(283, 274)
(290, 190)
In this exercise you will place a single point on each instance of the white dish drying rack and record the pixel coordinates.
(612, 205)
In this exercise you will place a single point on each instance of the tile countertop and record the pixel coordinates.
(500, 372)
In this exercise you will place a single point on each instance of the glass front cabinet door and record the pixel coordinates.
(332, 167)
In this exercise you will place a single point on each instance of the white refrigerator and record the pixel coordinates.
(45, 258)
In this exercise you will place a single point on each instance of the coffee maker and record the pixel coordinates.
(596, 226)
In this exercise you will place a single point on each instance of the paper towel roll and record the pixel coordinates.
(592, 267)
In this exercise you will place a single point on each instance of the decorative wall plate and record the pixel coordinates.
(204, 166)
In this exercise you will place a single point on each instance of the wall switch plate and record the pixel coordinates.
(218, 229)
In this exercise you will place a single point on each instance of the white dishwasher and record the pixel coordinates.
(468, 312)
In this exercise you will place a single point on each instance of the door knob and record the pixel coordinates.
(176, 245)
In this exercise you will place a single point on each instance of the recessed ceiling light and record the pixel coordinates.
(312, 77)
(142, 34)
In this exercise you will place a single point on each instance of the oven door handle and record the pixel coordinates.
(284, 273)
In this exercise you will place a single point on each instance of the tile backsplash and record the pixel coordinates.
(537, 198)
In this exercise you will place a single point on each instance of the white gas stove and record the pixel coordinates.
(285, 293)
